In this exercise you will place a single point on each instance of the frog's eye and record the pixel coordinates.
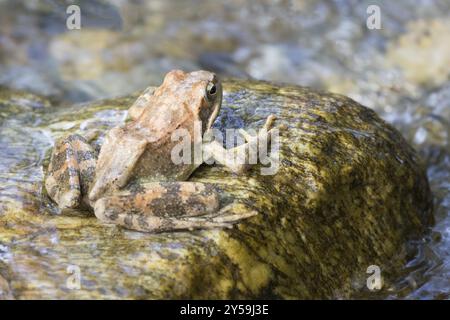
(211, 90)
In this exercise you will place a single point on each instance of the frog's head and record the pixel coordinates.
(201, 91)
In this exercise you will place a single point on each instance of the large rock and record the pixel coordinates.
(349, 193)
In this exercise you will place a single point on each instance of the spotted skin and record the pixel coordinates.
(169, 206)
(70, 172)
(165, 206)
(110, 182)
(156, 207)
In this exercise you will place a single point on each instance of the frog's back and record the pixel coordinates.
(144, 148)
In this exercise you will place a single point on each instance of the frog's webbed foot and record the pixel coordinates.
(71, 171)
(238, 159)
(171, 206)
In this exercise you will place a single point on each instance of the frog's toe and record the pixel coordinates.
(69, 199)
(269, 122)
(101, 212)
(233, 213)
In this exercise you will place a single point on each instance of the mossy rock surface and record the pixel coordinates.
(349, 193)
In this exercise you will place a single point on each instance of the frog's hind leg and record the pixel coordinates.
(159, 207)
(71, 171)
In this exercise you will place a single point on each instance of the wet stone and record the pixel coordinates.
(349, 193)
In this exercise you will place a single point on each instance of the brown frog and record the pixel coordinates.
(134, 182)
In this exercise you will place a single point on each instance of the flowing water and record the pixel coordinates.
(401, 70)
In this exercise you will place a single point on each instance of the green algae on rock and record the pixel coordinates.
(349, 193)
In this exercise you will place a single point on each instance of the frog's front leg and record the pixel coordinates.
(71, 171)
(169, 206)
(237, 159)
